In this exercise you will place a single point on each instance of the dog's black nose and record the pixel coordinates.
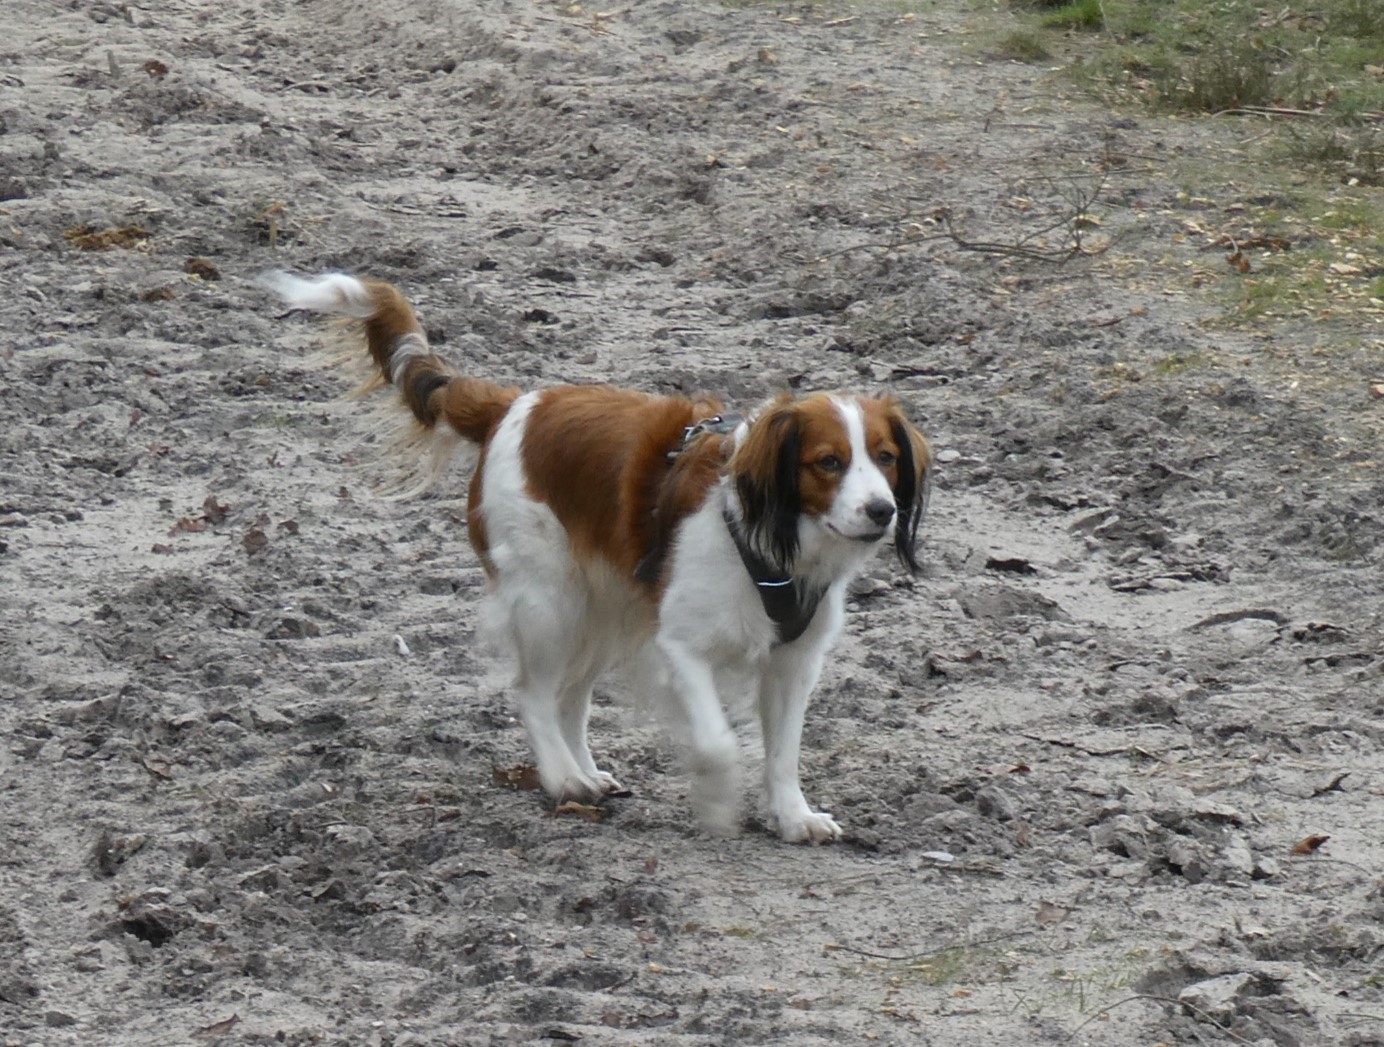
(880, 512)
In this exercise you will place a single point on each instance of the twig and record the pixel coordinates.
(1226, 617)
(1120, 750)
(1161, 999)
(1278, 110)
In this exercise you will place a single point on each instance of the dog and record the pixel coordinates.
(614, 524)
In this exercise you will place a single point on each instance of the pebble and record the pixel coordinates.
(1217, 998)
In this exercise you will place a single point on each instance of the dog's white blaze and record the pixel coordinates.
(863, 483)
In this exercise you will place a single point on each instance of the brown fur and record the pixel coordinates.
(430, 388)
(598, 457)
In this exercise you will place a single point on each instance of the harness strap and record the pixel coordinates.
(789, 606)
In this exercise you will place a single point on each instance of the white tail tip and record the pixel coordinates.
(329, 293)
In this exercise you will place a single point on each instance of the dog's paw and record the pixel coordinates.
(609, 784)
(717, 804)
(809, 827)
(577, 789)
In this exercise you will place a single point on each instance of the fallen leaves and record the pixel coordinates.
(1309, 844)
(126, 237)
(522, 777)
(1332, 786)
(202, 269)
(220, 1028)
(1239, 262)
(581, 810)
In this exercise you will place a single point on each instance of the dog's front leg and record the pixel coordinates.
(711, 742)
(783, 694)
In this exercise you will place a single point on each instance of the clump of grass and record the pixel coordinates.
(1224, 75)
(1078, 14)
(1179, 362)
(1023, 45)
(1362, 18)
(1355, 150)
(1192, 56)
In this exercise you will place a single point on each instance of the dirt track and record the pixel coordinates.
(1072, 758)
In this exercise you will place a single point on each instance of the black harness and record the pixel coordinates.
(788, 603)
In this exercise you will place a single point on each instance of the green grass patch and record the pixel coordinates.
(1177, 363)
(1319, 70)
(1079, 14)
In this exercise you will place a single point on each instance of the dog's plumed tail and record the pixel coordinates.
(428, 386)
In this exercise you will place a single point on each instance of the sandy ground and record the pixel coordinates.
(1072, 758)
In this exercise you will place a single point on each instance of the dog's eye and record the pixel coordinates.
(887, 458)
(829, 463)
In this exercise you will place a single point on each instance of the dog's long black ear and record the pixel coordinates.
(765, 467)
(912, 488)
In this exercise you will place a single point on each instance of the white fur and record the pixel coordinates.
(568, 622)
(328, 293)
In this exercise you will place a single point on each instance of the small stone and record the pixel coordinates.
(58, 1019)
(1123, 835)
(994, 802)
(267, 718)
(1265, 869)
(867, 586)
(1216, 998)
(1185, 859)
(92, 959)
(1238, 857)
(1212, 811)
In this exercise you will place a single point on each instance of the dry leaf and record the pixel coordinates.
(161, 548)
(255, 539)
(583, 810)
(213, 510)
(1239, 261)
(1309, 844)
(186, 524)
(155, 68)
(85, 238)
(202, 268)
(1332, 786)
(521, 776)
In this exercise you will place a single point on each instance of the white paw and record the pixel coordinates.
(717, 803)
(574, 787)
(809, 827)
(608, 783)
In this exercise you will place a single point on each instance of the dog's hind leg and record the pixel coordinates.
(539, 618)
(564, 774)
(573, 711)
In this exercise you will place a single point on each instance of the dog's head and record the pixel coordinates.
(852, 467)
